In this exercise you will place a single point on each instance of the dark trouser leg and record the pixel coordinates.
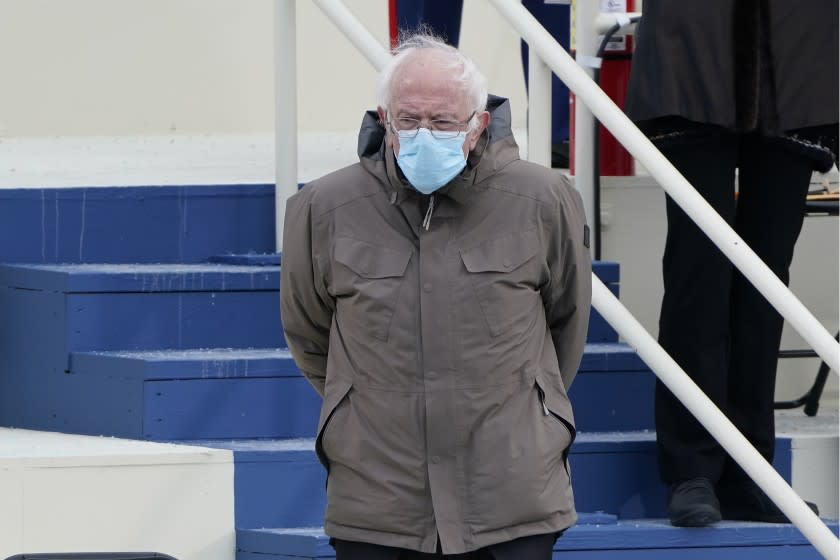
(773, 184)
(694, 319)
(537, 547)
(443, 18)
(352, 550)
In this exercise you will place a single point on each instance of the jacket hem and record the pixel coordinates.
(556, 523)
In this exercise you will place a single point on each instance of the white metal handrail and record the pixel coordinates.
(718, 425)
(556, 58)
(732, 246)
(614, 119)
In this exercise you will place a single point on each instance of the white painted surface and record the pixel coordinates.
(70, 493)
(814, 456)
(149, 67)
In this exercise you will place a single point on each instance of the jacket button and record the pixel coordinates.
(435, 459)
(427, 287)
(507, 264)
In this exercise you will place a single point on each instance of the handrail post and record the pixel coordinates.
(539, 110)
(285, 116)
(585, 44)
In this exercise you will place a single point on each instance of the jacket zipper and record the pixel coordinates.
(546, 412)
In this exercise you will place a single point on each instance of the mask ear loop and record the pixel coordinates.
(484, 149)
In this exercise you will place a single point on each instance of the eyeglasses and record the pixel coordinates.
(406, 127)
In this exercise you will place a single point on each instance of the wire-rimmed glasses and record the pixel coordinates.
(408, 127)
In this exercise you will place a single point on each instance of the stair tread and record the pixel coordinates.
(198, 363)
(166, 277)
(609, 357)
(584, 442)
(592, 532)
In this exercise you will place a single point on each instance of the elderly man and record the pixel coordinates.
(436, 294)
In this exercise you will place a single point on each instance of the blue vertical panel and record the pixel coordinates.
(613, 400)
(279, 490)
(135, 224)
(285, 407)
(136, 321)
(33, 351)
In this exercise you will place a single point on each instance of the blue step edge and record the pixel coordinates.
(312, 542)
(187, 364)
(248, 259)
(610, 356)
(87, 278)
(606, 271)
(593, 532)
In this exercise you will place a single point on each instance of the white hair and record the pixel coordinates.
(464, 70)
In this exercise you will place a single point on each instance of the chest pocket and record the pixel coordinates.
(505, 274)
(367, 283)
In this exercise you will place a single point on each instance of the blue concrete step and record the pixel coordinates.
(189, 394)
(50, 311)
(613, 390)
(146, 306)
(595, 537)
(259, 393)
(281, 483)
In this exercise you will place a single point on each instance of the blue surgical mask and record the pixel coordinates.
(428, 162)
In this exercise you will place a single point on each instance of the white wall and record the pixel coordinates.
(146, 67)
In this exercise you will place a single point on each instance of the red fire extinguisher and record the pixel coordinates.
(614, 76)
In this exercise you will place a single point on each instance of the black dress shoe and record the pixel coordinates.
(692, 503)
(748, 502)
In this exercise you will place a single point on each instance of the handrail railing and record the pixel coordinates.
(614, 119)
(553, 54)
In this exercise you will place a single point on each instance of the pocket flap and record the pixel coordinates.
(371, 261)
(501, 254)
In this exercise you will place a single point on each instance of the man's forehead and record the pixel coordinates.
(424, 83)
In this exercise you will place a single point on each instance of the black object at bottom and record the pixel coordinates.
(693, 503)
(811, 399)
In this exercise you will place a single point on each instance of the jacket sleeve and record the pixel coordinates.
(305, 306)
(568, 295)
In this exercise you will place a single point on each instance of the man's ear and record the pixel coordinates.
(483, 120)
(389, 138)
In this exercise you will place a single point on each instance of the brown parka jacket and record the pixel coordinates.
(443, 354)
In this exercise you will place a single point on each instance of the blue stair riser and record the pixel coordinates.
(596, 539)
(112, 307)
(614, 473)
(225, 394)
(135, 224)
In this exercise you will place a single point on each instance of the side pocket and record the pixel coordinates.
(335, 395)
(550, 410)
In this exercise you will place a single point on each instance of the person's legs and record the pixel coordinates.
(536, 547)
(443, 18)
(773, 185)
(354, 550)
(694, 329)
(694, 319)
